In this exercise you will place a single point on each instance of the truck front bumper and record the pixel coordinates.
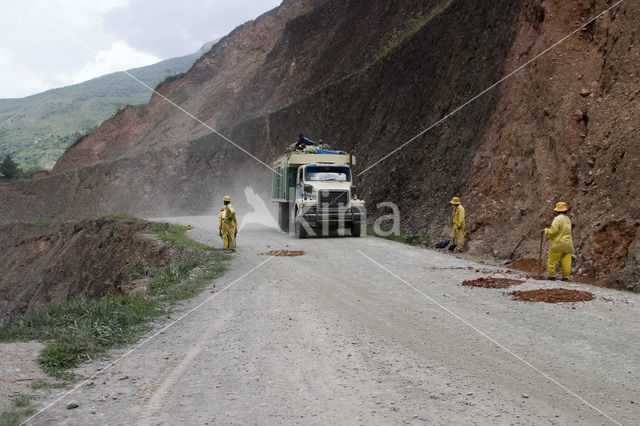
(333, 217)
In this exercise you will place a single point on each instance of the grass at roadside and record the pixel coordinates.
(21, 407)
(122, 216)
(47, 384)
(82, 329)
(176, 235)
(411, 239)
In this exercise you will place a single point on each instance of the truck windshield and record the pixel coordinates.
(327, 173)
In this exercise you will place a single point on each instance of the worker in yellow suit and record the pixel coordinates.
(220, 219)
(229, 226)
(561, 245)
(457, 235)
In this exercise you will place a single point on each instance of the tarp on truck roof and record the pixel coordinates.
(296, 159)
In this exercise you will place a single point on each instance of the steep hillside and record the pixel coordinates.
(36, 130)
(566, 128)
(367, 77)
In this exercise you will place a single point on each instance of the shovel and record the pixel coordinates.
(510, 258)
(540, 255)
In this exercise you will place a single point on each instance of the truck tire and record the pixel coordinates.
(356, 229)
(283, 216)
(300, 231)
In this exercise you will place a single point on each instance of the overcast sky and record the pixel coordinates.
(38, 50)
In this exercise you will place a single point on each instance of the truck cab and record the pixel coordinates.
(326, 199)
(317, 195)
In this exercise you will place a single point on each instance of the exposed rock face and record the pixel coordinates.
(44, 263)
(367, 77)
(565, 128)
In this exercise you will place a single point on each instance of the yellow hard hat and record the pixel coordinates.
(561, 206)
(222, 209)
(227, 198)
(455, 201)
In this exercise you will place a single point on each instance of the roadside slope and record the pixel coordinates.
(51, 263)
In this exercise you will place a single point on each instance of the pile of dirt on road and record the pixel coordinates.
(288, 253)
(531, 267)
(552, 295)
(492, 282)
(56, 262)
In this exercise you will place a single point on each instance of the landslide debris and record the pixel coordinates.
(287, 253)
(492, 282)
(43, 263)
(552, 295)
(530, 266)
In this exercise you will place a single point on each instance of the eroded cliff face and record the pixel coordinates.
(59, 262)
(565, 128)
(367, 77)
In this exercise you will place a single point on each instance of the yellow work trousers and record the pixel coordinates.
(565, 263)
(228, 236)
(458, 237)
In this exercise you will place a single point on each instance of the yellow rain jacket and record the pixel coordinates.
(458, 234)
(229, 225)
(221, 218)
(560, 234)
(458, 217)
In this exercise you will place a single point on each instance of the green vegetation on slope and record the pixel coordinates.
(80, 329)
(37, 130)
(410, 27)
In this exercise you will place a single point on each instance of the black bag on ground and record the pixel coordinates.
(442, 244)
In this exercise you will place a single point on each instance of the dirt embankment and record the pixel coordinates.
(56, 262)
(565, 128)
(367, 77)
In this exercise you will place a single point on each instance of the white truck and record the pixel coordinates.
(316, 195)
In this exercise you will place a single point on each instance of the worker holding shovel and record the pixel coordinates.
(561, 245)
(457, 234)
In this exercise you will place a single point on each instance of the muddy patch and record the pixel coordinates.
(530, 266)
(287, 253)
(552, 295)
(492, 282)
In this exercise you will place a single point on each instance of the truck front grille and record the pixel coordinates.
(332, 199)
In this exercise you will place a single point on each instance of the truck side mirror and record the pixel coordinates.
(353, 191)
(307, 188)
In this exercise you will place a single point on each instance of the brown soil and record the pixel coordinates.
(526, 265)
(57, 262)
(530, 266)
(289, 253)
(552, 295)
(492, 282)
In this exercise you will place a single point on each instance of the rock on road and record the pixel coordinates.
(331, 337)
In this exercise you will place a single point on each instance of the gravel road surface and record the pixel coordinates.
(369, 331)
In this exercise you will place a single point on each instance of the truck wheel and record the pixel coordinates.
(356, 229)
(283, 216)
(300, 231)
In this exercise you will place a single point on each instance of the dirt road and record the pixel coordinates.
(331, 337)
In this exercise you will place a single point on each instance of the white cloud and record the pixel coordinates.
(119, 57)
(18, 81)
(35, 52)
(171, 28)
(37, 55)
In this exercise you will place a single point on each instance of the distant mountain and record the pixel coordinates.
(37, 130)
